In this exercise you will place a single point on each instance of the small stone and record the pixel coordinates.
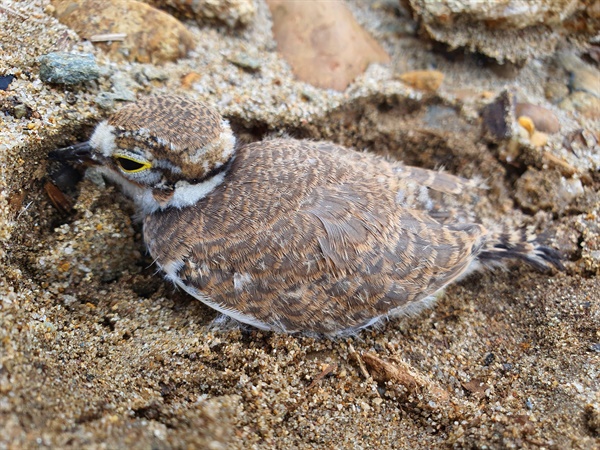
(155, 73)
(13, 106)
(20, 111)
(122, 88)
(68, 68)
(123, 94)
(529, 404)
(5, 80)
(543, 119)
(246, 62)
(424, 80)
(105, 101)
(146, 74)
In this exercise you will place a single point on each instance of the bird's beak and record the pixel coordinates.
(81, 153)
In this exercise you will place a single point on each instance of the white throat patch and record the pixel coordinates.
(187, 194)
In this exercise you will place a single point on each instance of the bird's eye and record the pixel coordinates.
(130, 165)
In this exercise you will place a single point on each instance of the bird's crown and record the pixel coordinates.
(189, 137)
(165, 151)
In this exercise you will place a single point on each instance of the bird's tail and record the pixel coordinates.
(519, 244)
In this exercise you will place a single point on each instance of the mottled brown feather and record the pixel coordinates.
(318, 235)
(185, 123)
(173, 128)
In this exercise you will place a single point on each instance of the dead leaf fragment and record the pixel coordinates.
(401, 373)
(189, 79)
(326, 371)
(476, 387)
(60, 201)
(383, 371)
(15, 200)
(424, 80)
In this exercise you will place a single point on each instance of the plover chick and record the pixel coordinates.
(292, 235)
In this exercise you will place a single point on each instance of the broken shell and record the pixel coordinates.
(527, 123)
(538, 139)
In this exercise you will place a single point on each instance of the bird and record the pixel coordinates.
(294, 236)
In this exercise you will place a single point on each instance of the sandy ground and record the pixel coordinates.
(97, 351)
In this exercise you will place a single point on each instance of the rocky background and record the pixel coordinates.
(97, 351)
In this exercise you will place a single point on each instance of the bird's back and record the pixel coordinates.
(307, 236)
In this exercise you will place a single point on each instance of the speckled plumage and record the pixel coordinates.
(303, 236)
(173, 131)
(317, 235)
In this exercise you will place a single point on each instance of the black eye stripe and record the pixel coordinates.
(128, 164)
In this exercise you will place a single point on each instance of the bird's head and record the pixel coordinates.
(165, 151)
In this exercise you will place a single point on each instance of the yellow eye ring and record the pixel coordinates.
(130, 165)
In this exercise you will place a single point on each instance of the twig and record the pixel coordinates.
(108, 37)
(361, 364)
(24, 210)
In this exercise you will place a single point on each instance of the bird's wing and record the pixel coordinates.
(415, 253)
(327, 254)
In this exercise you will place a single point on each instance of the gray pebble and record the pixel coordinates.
(20, 111)
(144, 75)
(122, 88)
(246, 62)
(68, 68)
(105, 101)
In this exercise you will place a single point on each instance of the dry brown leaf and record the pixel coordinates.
(424, 80)
(325, 45)
(476, 387)
(189, 79)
